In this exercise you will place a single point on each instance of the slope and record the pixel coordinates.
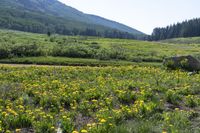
(52, 15)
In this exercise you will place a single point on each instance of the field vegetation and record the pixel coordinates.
(189, 40)
(19, 45)
(109, 85)
(124, 99)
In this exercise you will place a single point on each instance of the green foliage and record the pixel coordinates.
(31, 16)
(45, 127)
(103, 54)
(169, 64)
(98, 99)
(67, 125)
(188, 28)
(20, 121)
(191, 101)
(177, 121)
(173, 97)
(4, 53)
(26, 50)
(139, 126)
(188, 40)
(20, 44)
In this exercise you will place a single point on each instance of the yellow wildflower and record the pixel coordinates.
(102, 120)
(64, 117)
(83, 131)
(89, 125)
(17, 130)
(177, 109)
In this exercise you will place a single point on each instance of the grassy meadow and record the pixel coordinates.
(99, 85)
(14, 46)
(188, 40)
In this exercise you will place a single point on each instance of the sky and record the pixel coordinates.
(143, 15)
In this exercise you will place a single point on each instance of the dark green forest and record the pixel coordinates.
(39, 23)
(188, 28)
(54, 17)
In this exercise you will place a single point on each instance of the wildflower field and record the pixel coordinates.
(124, 99)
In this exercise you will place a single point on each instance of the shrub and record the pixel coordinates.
(26, 50)
(4, 53)
(172, 97)
(118, 52)
(103, 54)
(191, 101)
(176, 121)
(67, 125)
(50, 104)
(44, 127)
(74, 51)
(127, 98)
(20, 121)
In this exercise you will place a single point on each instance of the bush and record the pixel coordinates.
(26, 50)
(95, 45)
(172, 97)
(50, 104)
(74, 51)
(118, 52)
(103, 54)
(21, 121)
(4, 53)
(177, 121)
(45, 127)
(191, 101)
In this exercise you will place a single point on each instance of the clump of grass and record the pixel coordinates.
(173, 97)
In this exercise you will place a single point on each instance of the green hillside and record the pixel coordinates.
(14, 44)
(42, 16)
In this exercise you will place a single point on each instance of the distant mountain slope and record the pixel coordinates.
(51, 15)
(113, 24)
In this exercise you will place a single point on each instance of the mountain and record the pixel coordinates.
(44, 16)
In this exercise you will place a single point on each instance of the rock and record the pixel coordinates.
(192, 73)
(59, 130)
(188, 63)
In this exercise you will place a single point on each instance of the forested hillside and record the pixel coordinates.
(188, 28)
(52, 16)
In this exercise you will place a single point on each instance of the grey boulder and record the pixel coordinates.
(188, 63)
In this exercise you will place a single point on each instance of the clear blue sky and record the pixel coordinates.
(143, 15)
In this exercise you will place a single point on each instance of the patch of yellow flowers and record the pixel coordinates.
(85, 98)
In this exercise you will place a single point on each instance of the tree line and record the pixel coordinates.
(188, 28)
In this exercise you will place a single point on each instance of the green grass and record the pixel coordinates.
(73, 61)
(189, 40)
(129, 91)
(20, 44)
